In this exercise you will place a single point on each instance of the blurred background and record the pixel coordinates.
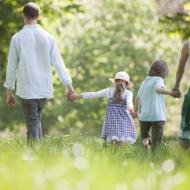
(98, 38)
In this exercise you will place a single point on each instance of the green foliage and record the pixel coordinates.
(179, 24)
(83, 164)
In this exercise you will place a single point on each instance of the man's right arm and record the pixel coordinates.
(11, 73)
(181, 65)
(11, 66)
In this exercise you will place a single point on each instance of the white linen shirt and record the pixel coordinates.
(109, 92)
(32, 51)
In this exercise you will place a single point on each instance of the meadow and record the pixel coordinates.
(96, 39)
(68, 163)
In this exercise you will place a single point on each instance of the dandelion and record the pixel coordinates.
(78, 149)
(168, 166)
(60, 118)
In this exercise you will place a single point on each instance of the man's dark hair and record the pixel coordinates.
(31, 11)
(159, 68)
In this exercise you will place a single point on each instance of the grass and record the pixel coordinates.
(68, 163)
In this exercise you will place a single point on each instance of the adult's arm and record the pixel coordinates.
(12, 66)
(181, 66)
(60, 67)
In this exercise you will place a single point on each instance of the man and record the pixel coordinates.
(184, 137)
(32, 51)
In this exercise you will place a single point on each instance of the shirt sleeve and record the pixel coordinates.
(129, 100)
(58, 62)
(12, 66)
(160, 83)
(98, 94)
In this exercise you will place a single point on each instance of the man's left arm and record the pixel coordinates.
(60, 67)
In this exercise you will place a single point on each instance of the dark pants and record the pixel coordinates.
(32, 109)
(156, 129)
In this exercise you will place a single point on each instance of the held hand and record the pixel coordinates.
(176, 88)
(72, 97)
(11, 100)
(133, 113)
(176, 93)
(70, 91)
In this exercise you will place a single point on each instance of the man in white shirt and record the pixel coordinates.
(32, 51)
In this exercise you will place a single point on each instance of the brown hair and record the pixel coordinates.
(119, 90)
(31, 10)
(159, 68)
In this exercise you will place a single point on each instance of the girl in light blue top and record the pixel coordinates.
(150, 104)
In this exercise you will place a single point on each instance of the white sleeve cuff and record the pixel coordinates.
(9, 86)
(67, 82)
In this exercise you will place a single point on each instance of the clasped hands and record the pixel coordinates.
(176, 93)
(71, 95)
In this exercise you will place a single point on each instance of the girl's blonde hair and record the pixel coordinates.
(119, 90)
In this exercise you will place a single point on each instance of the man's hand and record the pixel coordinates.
(72, 97)
(176, 88)
(70, 91)
(176, 93)
(10, 99)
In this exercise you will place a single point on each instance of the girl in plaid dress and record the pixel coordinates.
(118, 124)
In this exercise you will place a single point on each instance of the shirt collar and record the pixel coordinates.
(31, 26)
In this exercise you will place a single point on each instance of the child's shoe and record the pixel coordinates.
(147, 143)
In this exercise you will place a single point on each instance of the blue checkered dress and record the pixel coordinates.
(118, 124)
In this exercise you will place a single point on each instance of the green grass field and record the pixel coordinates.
(66, 163)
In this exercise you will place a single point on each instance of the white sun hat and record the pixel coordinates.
(122, 75)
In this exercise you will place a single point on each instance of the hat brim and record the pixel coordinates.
(130, 84)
